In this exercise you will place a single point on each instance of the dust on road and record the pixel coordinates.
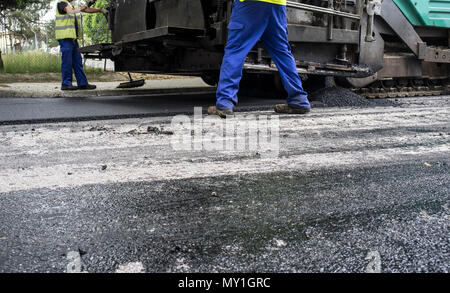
(353, 189)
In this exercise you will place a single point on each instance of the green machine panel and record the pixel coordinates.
(434, 13)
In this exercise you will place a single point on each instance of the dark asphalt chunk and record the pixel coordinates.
(319, 221)
(341, 97)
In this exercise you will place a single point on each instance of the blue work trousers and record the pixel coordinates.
(250, 22)
(71, 59)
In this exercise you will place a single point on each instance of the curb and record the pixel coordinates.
(6, 93)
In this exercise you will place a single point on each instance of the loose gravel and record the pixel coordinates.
(341, 97)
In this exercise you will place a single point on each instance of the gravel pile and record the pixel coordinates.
(341, 97)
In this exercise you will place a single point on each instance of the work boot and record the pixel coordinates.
(69, 88)
(288, 109)
(87, 87)
(222, 113)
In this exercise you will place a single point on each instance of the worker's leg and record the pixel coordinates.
(66, 49)
(78, 65)
(276, 42)
(247, 24)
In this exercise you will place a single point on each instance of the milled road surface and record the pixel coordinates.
(352, 190)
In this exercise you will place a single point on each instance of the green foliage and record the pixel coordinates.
(94, 31)
(34, 62)
(31, 62)
(12, 5)
(16, 4)
(21, 18)
(50, 29)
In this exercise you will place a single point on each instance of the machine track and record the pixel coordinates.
(402, 89)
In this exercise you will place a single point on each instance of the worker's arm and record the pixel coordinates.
(84, 9)
(93, 10)
(71, 10)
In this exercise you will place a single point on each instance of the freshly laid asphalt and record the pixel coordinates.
(25, 110)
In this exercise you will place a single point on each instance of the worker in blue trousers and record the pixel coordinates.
(251, 21)
(68, 30)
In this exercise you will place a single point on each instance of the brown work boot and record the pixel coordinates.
(212, 110)
(287, 109)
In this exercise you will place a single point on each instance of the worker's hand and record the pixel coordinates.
(104, 11)
(83, 8)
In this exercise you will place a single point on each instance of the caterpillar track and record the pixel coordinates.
(404, 88)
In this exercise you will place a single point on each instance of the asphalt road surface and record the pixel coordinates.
(26, 110)
(348, 190)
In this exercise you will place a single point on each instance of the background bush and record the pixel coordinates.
(34, 62)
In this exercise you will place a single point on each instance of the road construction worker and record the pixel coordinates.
(68, 30)
(251, 21)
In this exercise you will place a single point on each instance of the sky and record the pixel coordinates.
(51, 12)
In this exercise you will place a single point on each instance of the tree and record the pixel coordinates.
(17, 4)
(94, 30)
(8, 4)
(51, 36)
(20, 18)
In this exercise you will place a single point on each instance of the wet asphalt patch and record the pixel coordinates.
(330, 220)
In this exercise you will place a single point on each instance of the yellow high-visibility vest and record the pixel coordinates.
(65, 25)
(280, 2)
